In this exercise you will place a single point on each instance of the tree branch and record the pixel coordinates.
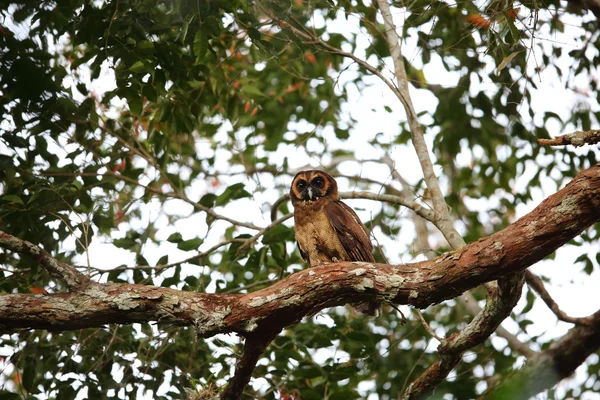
(554, 222)
(549, 367)
(418, 208)
(577, 139)
(467, 299)
(443, 220)
(253, 348)
(61, 271)
(498, 306)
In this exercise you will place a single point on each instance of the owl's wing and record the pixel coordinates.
(350, 231)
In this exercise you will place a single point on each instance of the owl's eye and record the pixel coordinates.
(318, 182)
(301, 184)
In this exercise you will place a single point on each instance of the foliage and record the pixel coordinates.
(149, 124)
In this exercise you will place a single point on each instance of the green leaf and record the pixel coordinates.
(191, 244)
(252, 91)
(138, 67)
(125, 243)
(233, 192)
(200, 45)
(174, 237)
(29, 373)
(208, 200)
(164, 260)
(11, 198)
(278, 234)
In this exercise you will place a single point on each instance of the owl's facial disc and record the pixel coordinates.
(310, 191)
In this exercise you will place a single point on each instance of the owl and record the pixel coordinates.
(327, 230)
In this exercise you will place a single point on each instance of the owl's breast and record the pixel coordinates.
(317, 238)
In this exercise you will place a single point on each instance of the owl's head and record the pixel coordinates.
(313, 184)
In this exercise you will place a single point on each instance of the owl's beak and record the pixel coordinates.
(309, 192)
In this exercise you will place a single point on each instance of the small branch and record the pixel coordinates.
(276, 172)
(60, 271)
(421, 387)
(470, 303)
(418, 208)
(253, 348)
(577, 139)
(253, 239)
(443, 220)
(535, 283)
(250, 286)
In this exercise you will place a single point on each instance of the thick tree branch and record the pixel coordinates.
(554, 222)
(535, 283)
(500, 302)
(549, 367)
(577, 139)
(253, 348)
(471, 304)
(61, 271)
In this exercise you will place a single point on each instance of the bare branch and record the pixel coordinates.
(176, 194)
(470, 303)
(535, 283)
(161, 267)
(61, 271)
(577, 139)
(426, 325)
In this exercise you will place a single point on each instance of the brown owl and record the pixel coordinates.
(327, 230)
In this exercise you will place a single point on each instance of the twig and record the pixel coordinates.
(535, 283)
(249, 242)
(577, 139)
(161, 267)
(426, 325)
(250, 286)
(418, 208)
(175, 194)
